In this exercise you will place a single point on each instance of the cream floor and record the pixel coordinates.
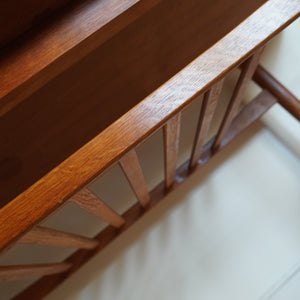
(230, 232)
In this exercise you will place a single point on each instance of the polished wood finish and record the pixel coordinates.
(133, 171)
(93, 204)
(86, 26)
(43, 54)
(248, 69)
(18, 16)
(51, 237)
(48, 193)
(28, 271)
(171, 147)
(206, 114)
(285, 98)
(74, 70)
(249, 114)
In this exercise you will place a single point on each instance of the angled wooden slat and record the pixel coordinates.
(47, 194)
(28, 271)
(93, 204)
(171, 143)
(133, 171)
(206, 114)
(51, 237)
(252, 112)
(285, 98)
(248, 69)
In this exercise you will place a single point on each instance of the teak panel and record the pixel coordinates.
(60, 117)
(249, 114)
(110, 145)
(17, 16)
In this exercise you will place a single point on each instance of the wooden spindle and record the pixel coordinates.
(285, 98)
(206, 114)
(248, 69)
(8, 273)
(93, 204)
(133, 171)
(171, 145)
(51, 237)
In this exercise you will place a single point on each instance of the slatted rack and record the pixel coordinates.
(116, 144)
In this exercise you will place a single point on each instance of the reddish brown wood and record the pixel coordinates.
(206, 114)
(171, 144)
(18, 16)
(51, 237)
(28, 271)
(93, 204)
(53, 49)
(133, 171)
(51, 105)
(247, 72)
(285, 98)
(248, 115)
(47, 194)
(41, 56)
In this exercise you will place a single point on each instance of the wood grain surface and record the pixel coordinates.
(19, 16)
(47, 194)
(28, 271)
(285, 98)
(93, 204)
(171, 146)
(46, 236)
(27, 64)
(248, 69)
(133, 171)
(208, 107)
(59, 87)
(248, 115)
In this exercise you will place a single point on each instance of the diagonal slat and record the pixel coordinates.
(8, 273)
(285, 98)
(248, 69)
(206, 114)
(51, 237)
(93, 204)
(171, 144)
(133, 171)
(248, 116)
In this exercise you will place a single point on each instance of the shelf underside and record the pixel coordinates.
(53, 121)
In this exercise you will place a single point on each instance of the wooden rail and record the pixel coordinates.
(161, 109)
(248, 115)
(207, 111)
(285, 98)
(123, 135)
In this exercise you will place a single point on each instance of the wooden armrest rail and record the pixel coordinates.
(58, 47)
(109, 146)
(248, 115)
(117, 143)
(285, 98)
